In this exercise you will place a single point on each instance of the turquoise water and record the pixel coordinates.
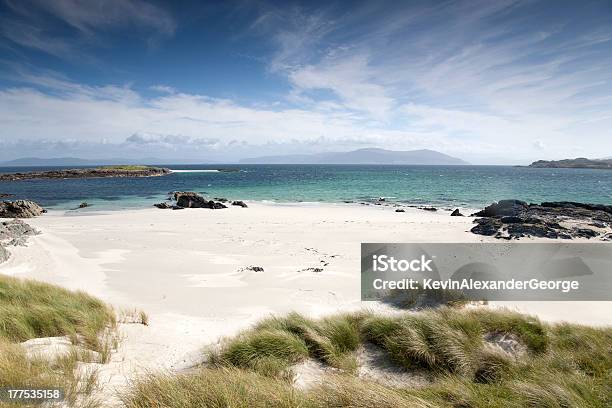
(464, 186)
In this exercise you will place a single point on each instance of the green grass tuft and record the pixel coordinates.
(31, 309)
(561, 365)
(128, 167)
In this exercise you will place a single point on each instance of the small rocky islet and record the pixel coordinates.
(97, 172)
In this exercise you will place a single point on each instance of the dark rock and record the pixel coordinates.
(163, 206)
(83, 205)
(503, 208)
(540, 230)
(221, 199)
(400, 210)
(240, 204)
(585, 233)
(428, 208)
(312, 269)
(487, 226)
(456, 213)
(215, 205)
(254, 268)
(5, 195)
(20, 209)
(195, 200)
(517, 219)
(382, 199)
(570, 206)
(511, 219)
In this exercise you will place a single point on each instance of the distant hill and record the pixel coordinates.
(578, 163)
(363, 156)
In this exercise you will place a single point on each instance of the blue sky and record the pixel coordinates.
(489, 81)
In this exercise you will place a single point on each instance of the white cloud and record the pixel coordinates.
(190, 125)
(349, 79)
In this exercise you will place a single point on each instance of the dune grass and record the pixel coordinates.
(561, 365)
(30, 309)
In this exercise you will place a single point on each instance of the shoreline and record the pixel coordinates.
(441, 209)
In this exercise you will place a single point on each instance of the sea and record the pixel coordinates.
(440, 186)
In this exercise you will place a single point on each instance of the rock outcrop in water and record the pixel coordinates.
(13, 233)
(20, 209)
(514, 219)
(98, 172)
(190, 199)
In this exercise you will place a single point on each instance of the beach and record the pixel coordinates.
(194, 271)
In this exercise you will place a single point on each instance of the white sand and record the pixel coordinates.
(185, 268)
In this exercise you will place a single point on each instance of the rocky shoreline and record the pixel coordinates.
(98, 172)
(515, 219)
(20, 209)
(13, 233)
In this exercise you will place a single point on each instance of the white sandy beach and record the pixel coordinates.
(186, 269)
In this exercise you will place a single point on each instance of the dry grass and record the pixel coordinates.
(213, 388)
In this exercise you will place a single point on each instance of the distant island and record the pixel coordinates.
(97, 172)
(363, 156)
(578, 163)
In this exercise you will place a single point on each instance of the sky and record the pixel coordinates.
(491, 82)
